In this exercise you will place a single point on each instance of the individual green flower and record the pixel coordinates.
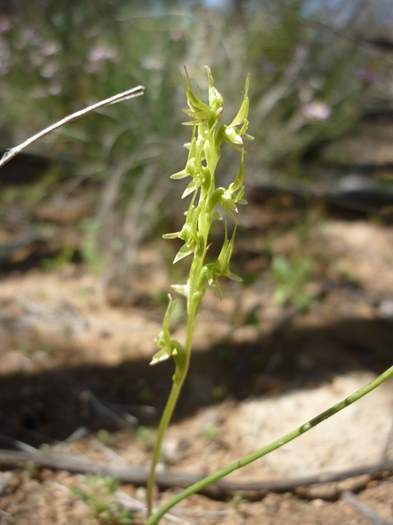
(167, 345)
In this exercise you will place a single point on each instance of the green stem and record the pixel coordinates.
(274, 445)
(164, 423)
(178, 380)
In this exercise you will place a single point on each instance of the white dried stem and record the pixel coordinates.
(120, 97)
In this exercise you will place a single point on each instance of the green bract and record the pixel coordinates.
(208, 203)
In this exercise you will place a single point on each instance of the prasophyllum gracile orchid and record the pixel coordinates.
(208, 203)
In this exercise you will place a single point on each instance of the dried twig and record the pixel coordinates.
(5, 480)
(165, 480)
(134, 505)
(107, 412)
(387, 451)
(370, 514)
(120, 97)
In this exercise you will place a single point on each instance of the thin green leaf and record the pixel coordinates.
(242, 114)
(174, 235)
(184, 251)
(158, 357)
(190, 189)
(179, 175)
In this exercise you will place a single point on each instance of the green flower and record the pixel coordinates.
(168, 346)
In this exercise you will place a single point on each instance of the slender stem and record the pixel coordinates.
(179, 378)
(274, 445)
(164, 423)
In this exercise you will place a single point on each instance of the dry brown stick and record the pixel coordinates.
(120, 97)
(165, 480)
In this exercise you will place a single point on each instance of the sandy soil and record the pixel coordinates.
(74, 365)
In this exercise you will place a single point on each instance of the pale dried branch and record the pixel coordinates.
(119, 97)
(367, 512)
(222, 489)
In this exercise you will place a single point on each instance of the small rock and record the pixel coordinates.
(317, 502)
(173, 450)
(5, 481)
(140, 493)
(385, 308)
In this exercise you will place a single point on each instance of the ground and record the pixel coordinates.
(75, 379)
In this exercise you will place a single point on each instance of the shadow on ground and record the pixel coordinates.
(48, 406)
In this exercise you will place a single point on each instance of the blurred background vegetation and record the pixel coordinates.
(321, 71)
